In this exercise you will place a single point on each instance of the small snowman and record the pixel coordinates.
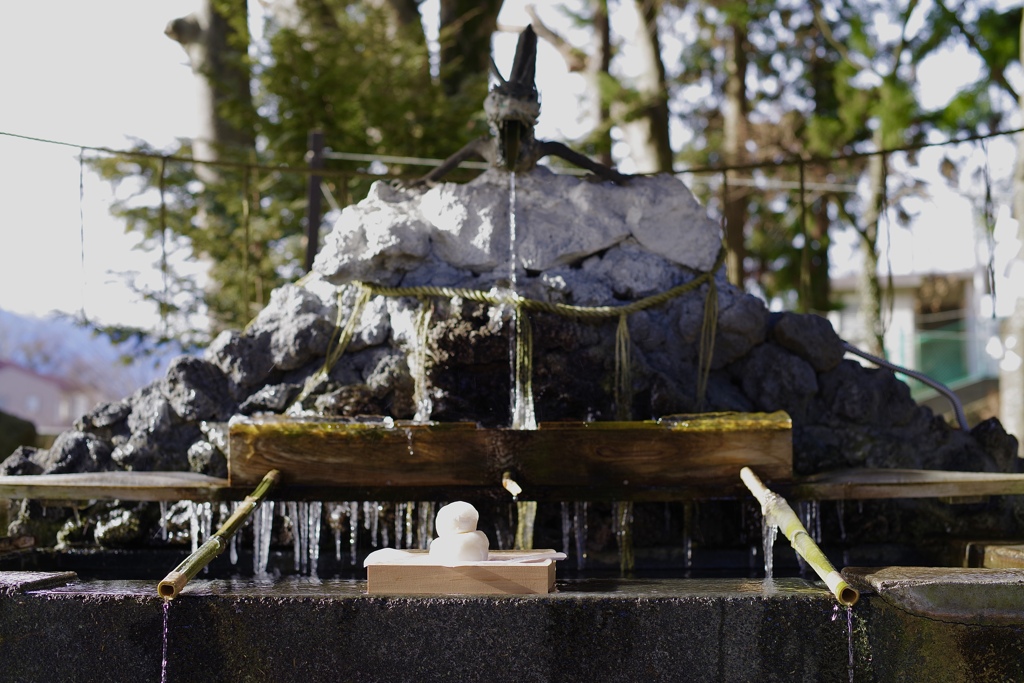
(458, 539)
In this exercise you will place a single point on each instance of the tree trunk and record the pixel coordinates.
(598, 69)
(216, 50)
(1011, 369)
(465, 36)
(647, 133)
(820, 294)
(869, 286)
(733, 147)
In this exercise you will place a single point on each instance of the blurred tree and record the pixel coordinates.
(358, 71)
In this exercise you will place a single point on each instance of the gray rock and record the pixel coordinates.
(75, 451)
(24, 460)
(118, 527)
(244, 357)
(205, 458)
(196, 390)
(742, 325)
(273, 398)
(775, 379)
(811, 337)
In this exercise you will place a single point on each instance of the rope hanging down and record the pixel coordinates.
(524, 343)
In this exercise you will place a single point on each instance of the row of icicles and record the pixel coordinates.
(410, 525)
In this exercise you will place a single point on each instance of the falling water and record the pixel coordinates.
(163, 659)
(849, 636)
(418, 367)
(623, 512)
(527, 515)
(523, 416)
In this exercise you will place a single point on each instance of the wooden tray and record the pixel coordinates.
(417, 574)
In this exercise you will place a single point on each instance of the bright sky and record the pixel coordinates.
(103, 73)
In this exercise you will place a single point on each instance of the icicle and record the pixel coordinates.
(206, 520)
(399, 521)
(263, 523)
(769, 532)
(163, 520)
(425, 525)
(370, 520)
(409, 508)
(385, 537)
(335, 520)
(353, 532)
(193, 524)
(581, 528)
(566, 529)
(233, 543)
(841, 514)
(623, 511)
(527, 515)
(367, 520)
(315, 514)
(292, 511)
(688, 534)
(810, 517)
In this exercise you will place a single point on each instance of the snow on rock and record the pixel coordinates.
(561, 220)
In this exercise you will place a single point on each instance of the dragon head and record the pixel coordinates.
(512, 106)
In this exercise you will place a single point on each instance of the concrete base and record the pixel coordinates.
(590, 630)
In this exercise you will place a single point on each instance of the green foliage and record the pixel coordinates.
(343, 69)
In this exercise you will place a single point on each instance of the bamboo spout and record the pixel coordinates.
(510, 485)
(775, 508)
(175, 581)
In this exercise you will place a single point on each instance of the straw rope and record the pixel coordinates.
(523, 363)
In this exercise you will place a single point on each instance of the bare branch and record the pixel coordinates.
(575, 59)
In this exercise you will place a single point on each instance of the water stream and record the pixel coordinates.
(521, 400)
(163, 659)
(836, 609)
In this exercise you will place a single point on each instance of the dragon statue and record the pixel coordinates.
(512, 108)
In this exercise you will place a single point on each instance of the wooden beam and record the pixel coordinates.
(863, 484)
(685, 457)
(166, 486)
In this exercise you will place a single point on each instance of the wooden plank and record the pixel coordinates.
(862, 484)
(685, 456)
(148, 486)
(1003, 556)
(477, 578)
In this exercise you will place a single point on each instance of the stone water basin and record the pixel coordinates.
(302, 629)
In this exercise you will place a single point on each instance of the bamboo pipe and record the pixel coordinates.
(777, 511)
(172, 584)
